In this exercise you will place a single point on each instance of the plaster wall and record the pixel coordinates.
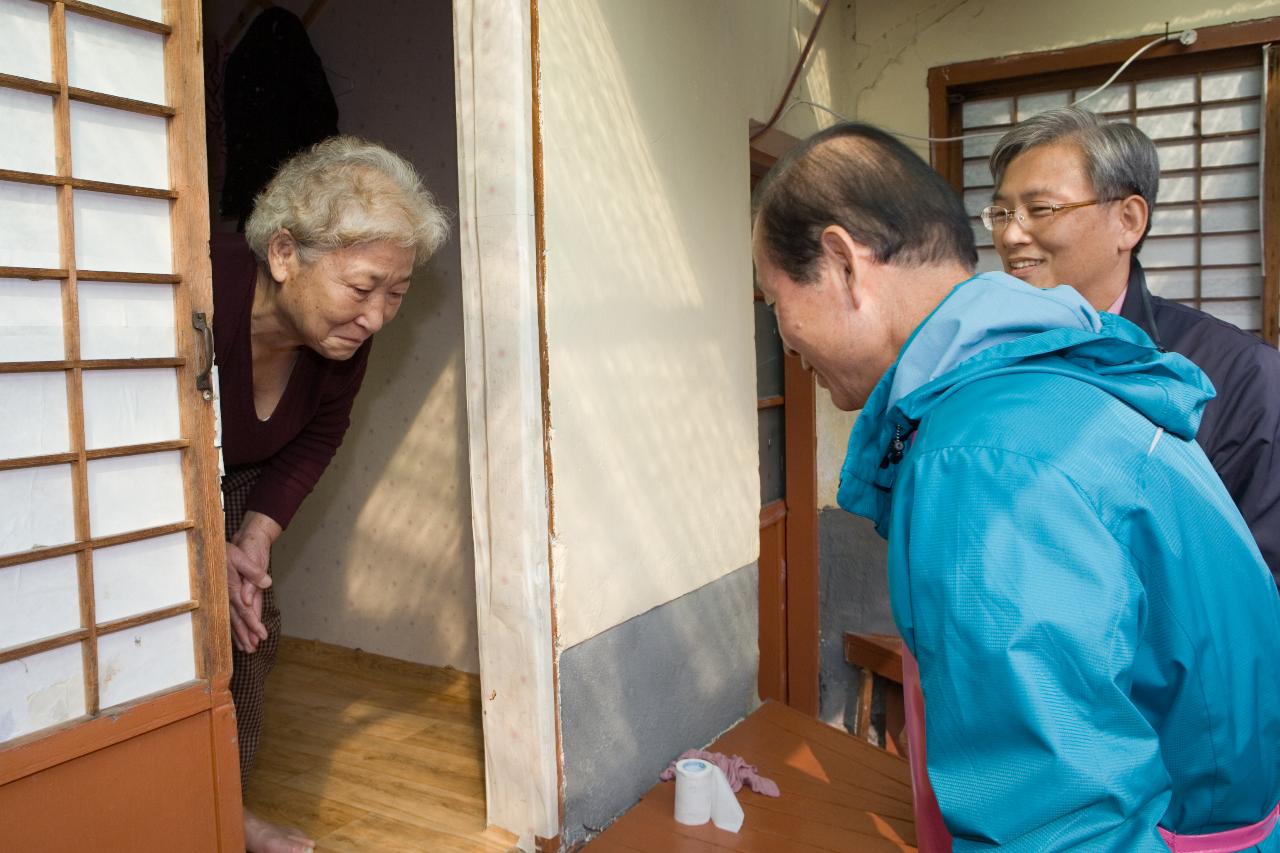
(645, 110)
(380, 556)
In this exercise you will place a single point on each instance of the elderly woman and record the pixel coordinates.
(324, 264)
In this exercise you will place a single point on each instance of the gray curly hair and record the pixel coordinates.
(342, 192)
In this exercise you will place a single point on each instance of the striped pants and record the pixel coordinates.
(249, 671)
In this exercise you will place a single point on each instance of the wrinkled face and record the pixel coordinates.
(339, 300)
(842, 343)
(1087, 248)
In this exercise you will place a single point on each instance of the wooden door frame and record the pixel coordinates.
(796, 615)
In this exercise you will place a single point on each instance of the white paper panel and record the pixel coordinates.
(1112, 100)
(1246, 315)
(24, 39)
(38, 600)
(33, 414)
(118, 146)
(1234, 183)
(30, 320)
(38, 508)
(1171, 284)
(1231, 249)
(981, 146)
(140, 576)
(988, 260)
(1178, 155)
(1176, 220)
(1030, 105)
(122, 233)
(149, 9)
(114, 59)
(1168, 125)
(124, 407)
(135, 492)
(1166, 92)
(41, 691)
(28, 225)
(145, 660)
(977, 174)
(26, 145)
(1173, 252)
(126, 320)
(1224, 85)
(1229, 118)
(1229, 152)
(1231, 282)
(982, 113)
(1181, 188)
(1229, 216)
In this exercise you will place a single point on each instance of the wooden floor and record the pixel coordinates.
(838, 794)
(367, 753)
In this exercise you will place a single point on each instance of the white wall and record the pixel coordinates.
(380, 555)
(895, 45)
(648, 286)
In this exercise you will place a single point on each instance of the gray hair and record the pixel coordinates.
(342, 192)
(1119, 159)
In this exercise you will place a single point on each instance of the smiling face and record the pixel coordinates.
(1087, 247)
(339, 300)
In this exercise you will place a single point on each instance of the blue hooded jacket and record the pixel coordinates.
(1097, 634)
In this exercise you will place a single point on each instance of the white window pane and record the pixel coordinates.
(1182, 188)
(149, 9)
(135, 492)
(982, 113)
(124, 407)
(115, 59)
(1229, 118)
(126, 320)
(27, 142)
(975, 200)
(989, 260)
(982, 238)
(1236, 183)
(1030, 105)
(1177, 220)
(1246, 315)
(122, 233)
(1171, 284)
(1247, 282)
(28, 226)
(977, 174)
(981, 145)
(140, 576)
(1178, 155)
(1114, 99)
(145, 659)
(30, 320)
(1232, 216)
(39, 509)
(1231, 249)
(1171, 252)
(33, 414)
(1229, 152)
(24, 39)
(41, 691)
(38, 600)
(118, 146)
(1166, 92)
(1168, 125)
(1225, 85)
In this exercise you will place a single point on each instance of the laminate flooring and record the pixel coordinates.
(368, 753)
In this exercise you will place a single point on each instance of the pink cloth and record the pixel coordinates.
(1118, 304)
(736, 770)
(1230, 841)
(931, 833)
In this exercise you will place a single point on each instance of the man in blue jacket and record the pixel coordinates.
(1095, 628)
(1073, 154)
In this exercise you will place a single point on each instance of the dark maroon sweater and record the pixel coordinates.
(299, 439)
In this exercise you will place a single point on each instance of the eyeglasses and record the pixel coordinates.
(998, 218)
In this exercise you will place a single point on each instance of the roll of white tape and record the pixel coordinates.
(703, 794)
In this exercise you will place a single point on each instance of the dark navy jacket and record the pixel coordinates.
(1240, 432)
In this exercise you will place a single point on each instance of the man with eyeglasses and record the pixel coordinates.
(1072, 205)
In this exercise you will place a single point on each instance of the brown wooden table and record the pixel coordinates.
(838, 794)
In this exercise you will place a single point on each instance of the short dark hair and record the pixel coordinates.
(858, 177)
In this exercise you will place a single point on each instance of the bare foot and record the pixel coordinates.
(261, 836)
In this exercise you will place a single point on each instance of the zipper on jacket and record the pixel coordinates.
(896, 448)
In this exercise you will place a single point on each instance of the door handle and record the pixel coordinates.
(204, 381)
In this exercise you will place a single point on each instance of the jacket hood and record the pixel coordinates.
(995, 324)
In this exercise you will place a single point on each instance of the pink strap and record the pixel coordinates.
(1230, 841)
(931, 832)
